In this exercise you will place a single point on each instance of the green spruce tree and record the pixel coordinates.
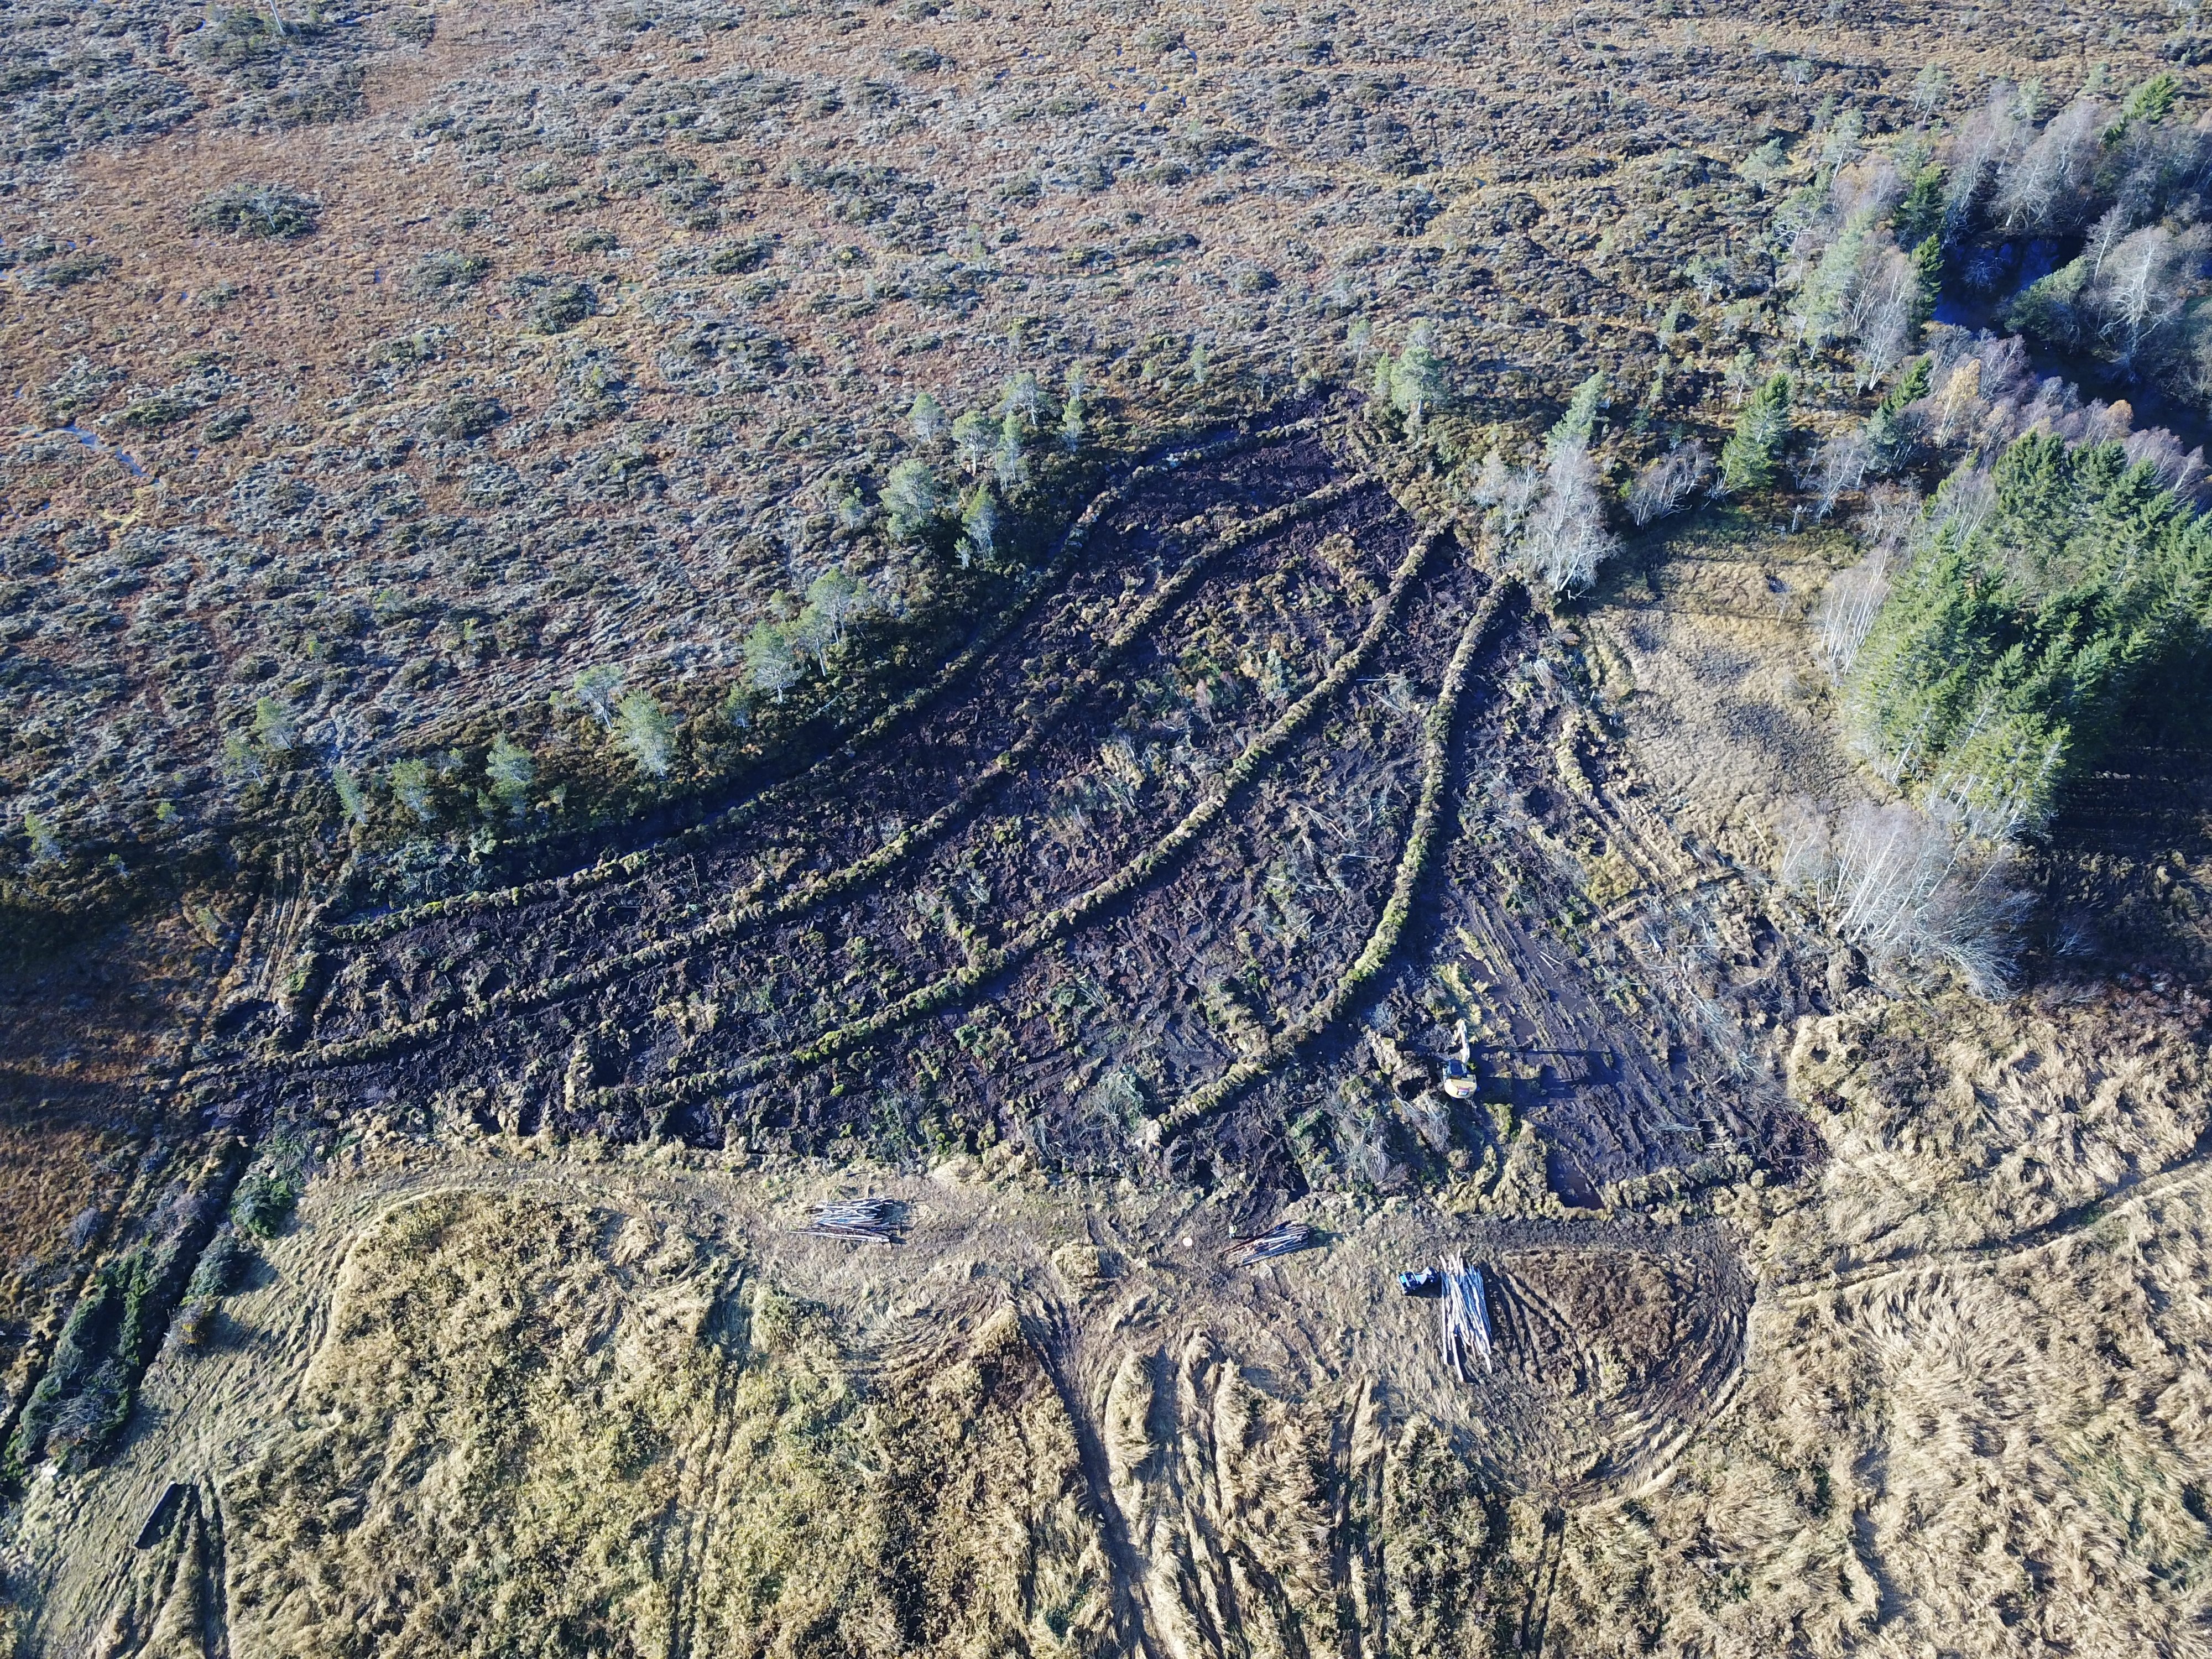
(1417, 379)
(1888, 429)
(1927, 281)
(1920, 214)
(1575, 427)
(1753, 454)
(912, 499)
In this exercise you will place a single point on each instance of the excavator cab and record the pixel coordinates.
(1459, 1079)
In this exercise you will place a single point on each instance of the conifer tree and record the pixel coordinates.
(1008, 463)
(410, 783)
(1386, 368)
(1072, 425)
(913, 501)
(1417, 379)
(1749, 458)
(2002, 659)
(1576, 426)
(595, 688)
(1888, 431)
(832, 599)
(647, 732)
(351, 801)
(975, 436)
(1920, 214)
(1022, 397)
(1928, 280)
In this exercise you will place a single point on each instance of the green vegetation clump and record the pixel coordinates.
(152, 414)
(241, 38)
(1999, 665)
(735, 258)
(447, 274)
(466, 418)
(562, 304)
(218, 1267)
(270, 211)
(71, 269)
(265, 1203)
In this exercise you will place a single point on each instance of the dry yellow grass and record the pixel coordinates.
(1999, 1444)
(1972, 1417)
(1998, 1457)
(552, 1429)
(1953, 1122)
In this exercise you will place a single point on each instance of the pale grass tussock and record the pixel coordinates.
(547, 1429)
(2000, 1441)
(1954, 1121)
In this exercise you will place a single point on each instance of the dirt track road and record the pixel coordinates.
(1325, 1321)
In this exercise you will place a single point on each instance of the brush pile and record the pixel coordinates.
(1284, 1238)
(874, 1219)
(1465, 1310)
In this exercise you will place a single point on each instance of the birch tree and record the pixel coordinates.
(1839, 466)
(1846, 610)
(2037, 190)
(1990, 138)
(1566, 538)
(2141, 288)
(1665, 482)
(1900, 884)
(771, 661)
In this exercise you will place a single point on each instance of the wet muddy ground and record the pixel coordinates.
(1152, 831)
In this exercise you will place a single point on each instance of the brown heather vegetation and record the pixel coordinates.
(445, 501)
(624, 621)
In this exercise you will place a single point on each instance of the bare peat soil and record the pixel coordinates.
(1209, 858)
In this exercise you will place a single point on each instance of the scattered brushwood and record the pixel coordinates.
(875, 1220)
(744, 917)
(81, 1407)
(641, 863)
(1413, 865)
(1464, 1315)
(1284, 1238)
(1263, 752)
